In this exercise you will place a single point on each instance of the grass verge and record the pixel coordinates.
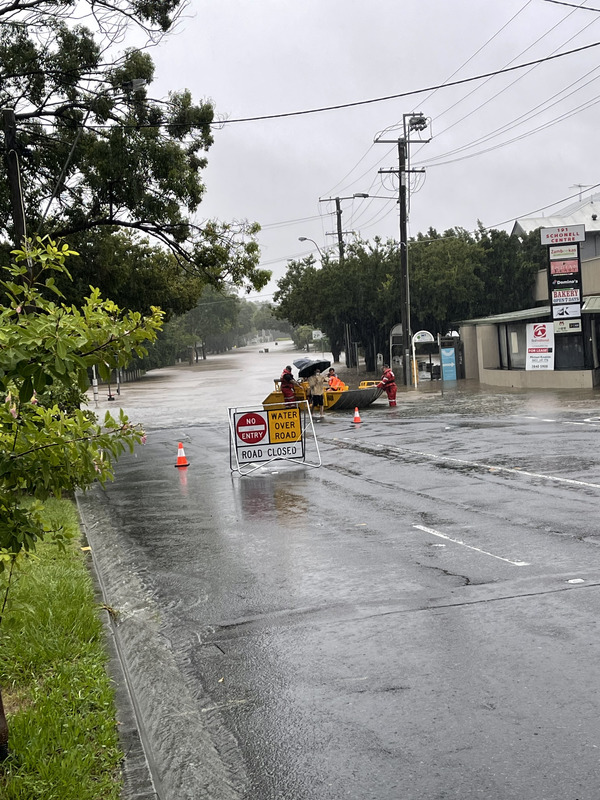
(57, 694)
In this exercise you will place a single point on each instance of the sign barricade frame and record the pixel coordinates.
(245, 437)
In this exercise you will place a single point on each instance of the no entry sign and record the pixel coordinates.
(251, 428)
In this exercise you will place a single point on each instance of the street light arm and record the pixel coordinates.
(308, 239)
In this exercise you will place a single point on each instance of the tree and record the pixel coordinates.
(265, 319)
(352, 293)
(130, 269)
(212, 321)
(445, 279)
(155, 16)
(47, 448)
(96, 152)
(302, 337)
(307, 296)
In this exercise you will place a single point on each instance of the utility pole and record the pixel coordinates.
(411, 122)
(340, 234)
(14, 175)
(350, 356)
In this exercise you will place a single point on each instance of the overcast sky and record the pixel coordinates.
(277, 56)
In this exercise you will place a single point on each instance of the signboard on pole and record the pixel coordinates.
(540, 346)
(565, 288)
(563, 235)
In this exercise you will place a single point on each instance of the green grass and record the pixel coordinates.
(57, 694)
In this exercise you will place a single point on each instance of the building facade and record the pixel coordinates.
(496, 348)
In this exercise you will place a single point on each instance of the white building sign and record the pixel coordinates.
(563, 235)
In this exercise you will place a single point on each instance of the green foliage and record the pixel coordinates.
(58, 694)
(46, 447)
(446, 279)
(264, 318)
(98, 155)
(453, 276)
(130, 271)
(302, 337)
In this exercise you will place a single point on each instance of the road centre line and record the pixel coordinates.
(514, 470)
(470, 547)
(590, 421)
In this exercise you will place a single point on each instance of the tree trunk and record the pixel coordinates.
(3, 732)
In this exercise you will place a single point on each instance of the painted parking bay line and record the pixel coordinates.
(470, 547)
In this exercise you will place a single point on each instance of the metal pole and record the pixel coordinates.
(405, 291)
(340, 238)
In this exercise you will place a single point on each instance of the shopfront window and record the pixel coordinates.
(569, 351)
(517, 343)
(503, 347)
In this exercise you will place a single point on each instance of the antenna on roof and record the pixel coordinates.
(581, 187)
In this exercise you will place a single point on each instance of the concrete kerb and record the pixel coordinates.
(171, 750)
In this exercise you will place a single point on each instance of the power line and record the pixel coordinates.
(401, 94)
(572, 5)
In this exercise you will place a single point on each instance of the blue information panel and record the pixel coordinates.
(448, 355)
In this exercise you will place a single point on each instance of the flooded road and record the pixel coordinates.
(417, 618)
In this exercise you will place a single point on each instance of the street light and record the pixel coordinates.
(308, 239)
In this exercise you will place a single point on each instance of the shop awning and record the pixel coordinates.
(591, 304)
(509, 316)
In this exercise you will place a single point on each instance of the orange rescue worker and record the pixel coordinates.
(334, 382)
(388, 384)
(287, 386)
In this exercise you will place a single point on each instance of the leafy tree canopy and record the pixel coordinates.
(96, 152)
(454, 275)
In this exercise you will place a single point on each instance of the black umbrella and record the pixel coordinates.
(307, 367)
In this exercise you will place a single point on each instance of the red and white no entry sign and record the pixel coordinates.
(251, 428)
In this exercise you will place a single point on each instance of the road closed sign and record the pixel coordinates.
(268, 435)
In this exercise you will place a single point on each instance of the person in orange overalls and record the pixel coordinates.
(388, 384)
(334, 382)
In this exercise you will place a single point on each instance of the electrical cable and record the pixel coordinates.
(525, 135)
(517, 121)
(479, 87)
(510, 85)
(411, 92)
(572, 5)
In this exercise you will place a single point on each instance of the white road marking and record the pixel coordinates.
(514, 470)
(470, 547)
(591, 421)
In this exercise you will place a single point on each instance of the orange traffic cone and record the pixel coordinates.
(181, 459)
(356, 415)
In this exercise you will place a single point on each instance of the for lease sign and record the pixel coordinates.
(540, 346)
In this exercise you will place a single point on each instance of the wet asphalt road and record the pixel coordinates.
(417, 618)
